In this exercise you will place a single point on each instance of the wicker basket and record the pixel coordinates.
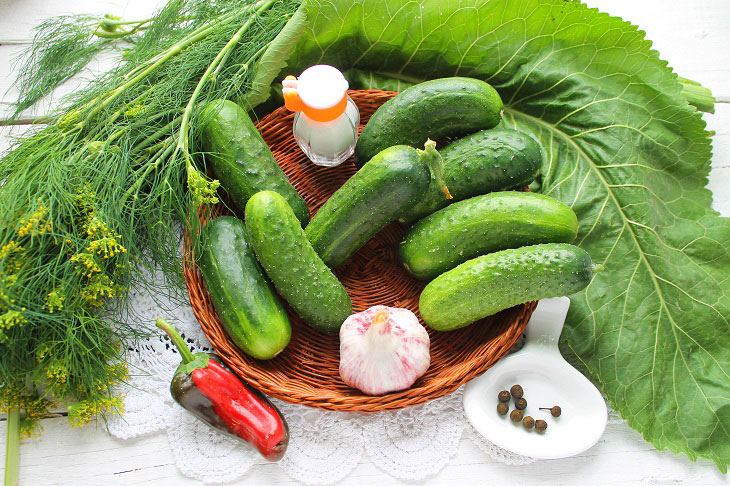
(307, 371)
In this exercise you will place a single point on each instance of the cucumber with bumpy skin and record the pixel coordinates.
(240, 159)
(376, 195)
(247, 304)
(433, 109)
(486, 161)
(293, 266)
(488, 284)
(484, 224)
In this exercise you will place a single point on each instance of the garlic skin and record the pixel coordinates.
(383, 349)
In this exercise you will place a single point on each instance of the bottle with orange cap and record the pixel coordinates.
(326, 120)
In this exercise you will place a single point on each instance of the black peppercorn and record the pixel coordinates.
(520, 404)
(540, 425)
(503, 396)
(528, 422)
(515, 415)
(502, 408)
(516, 391)
(554, 411)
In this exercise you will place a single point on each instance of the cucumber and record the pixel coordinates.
(434, 109)
(484, 224)
(494, 282)
(239, 158)
(247, 304)
(300, 276)
(376, 195)
(486, 161)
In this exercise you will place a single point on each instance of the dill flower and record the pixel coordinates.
(8, 320)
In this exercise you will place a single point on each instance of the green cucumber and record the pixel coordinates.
(486, 161)
(484, 224)
(295, 269)
(375, 196)
(497, 281)
(434, 109)
(239, 158)
(247, 304)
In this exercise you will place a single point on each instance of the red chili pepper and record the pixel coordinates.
(208, 390)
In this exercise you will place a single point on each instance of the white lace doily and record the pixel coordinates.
(324, 447)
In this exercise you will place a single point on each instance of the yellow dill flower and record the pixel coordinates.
(34, 225)
(42, 352)
(9, 249)
(117, 373)
(9, 319)
(84, 199)
(86, 264)
(33, 407)
(57, 372)
(135, 110)
(100, 287)
(80, 413)
(202, 189)
(54, 301)
(106, 247)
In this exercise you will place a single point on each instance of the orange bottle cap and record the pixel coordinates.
(320, 92)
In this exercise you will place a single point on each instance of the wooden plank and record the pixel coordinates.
(71, 456)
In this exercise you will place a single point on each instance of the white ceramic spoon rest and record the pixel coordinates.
(547, 380)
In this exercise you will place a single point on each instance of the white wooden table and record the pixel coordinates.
(693, 36)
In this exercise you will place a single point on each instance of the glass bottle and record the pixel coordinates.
(326, 120)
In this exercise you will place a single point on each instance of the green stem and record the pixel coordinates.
(184, 138)
(110, 22)
(118, 34)
(12, 448)
(436, 165)
(134, 188)
(177, 340)
(697, 95)
(155, 136)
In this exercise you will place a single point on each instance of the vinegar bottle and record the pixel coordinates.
(326, 119)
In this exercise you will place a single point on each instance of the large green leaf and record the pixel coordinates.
(624, 149)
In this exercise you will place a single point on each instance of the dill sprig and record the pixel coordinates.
(97, 198)
(62, 47)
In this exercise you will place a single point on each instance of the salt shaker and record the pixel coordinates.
(326, 120)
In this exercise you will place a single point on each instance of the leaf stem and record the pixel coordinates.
(697, 95)
(12, 448)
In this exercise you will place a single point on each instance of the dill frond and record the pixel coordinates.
(96, 201)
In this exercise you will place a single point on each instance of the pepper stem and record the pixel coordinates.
(177, 340)
(436, 165)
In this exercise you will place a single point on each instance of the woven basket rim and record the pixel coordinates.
(319, 388)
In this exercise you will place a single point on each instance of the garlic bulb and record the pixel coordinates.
(383, 349)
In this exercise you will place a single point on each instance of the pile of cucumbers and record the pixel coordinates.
(482, 246)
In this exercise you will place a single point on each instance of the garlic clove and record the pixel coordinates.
(383, 349)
